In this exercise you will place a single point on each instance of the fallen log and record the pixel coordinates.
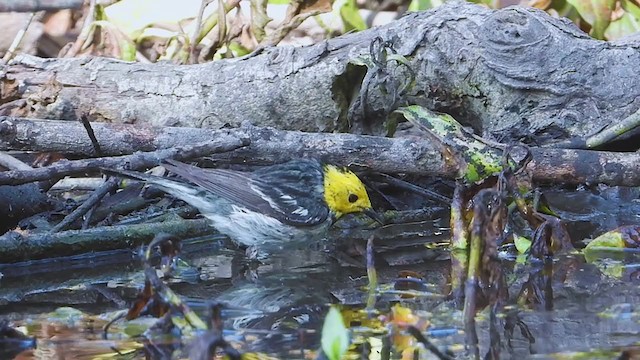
(415, 156)
(267, 146)
(135, 161)
(514, 74)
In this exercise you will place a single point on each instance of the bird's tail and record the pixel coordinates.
(176, 188)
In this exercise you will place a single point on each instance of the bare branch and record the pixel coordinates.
(38, 5)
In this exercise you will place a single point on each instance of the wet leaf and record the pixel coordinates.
(459, 228)
(522, 244)
(622, 237)
(611, 239)
(611, 268)
(335, 337)
(550, 237)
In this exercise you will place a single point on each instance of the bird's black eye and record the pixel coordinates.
(353, 198)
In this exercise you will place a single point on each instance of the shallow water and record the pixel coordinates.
(278, 308)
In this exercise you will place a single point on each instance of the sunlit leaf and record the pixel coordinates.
(351, 16)
(631, 7)
(133, 15)
(238, 49)
(625, 25)
(419, 5)
(595, 12)
(335, 337)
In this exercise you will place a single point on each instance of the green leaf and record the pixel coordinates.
(631, 8)
(335, 337)
(351, 16)
(419, 5)
(238, 50)
(595, 12)
(522, 244)
(627, 24)
(611, 239)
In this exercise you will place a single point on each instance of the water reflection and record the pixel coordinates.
(561, 305)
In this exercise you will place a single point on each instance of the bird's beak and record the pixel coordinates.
(374, 215)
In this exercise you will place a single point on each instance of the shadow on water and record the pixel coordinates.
(562, 305)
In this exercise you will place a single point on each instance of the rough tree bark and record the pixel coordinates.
(265, 145)
(515, 74)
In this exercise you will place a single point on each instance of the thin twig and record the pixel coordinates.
(92, 135)
(372, 275)
(88, 216)
(212, 21)
(17, 40)
(67, 184)
(12, 163)
(38, 5)
(614, 131)
(196, 32)
(87, 205)
(427, 344)
(135, 161)
(84, 33)
(417, 189)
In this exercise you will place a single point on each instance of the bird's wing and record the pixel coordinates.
(282, 192)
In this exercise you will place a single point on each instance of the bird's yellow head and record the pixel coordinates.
(344, 193)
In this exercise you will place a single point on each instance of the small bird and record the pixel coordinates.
(273, 207)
